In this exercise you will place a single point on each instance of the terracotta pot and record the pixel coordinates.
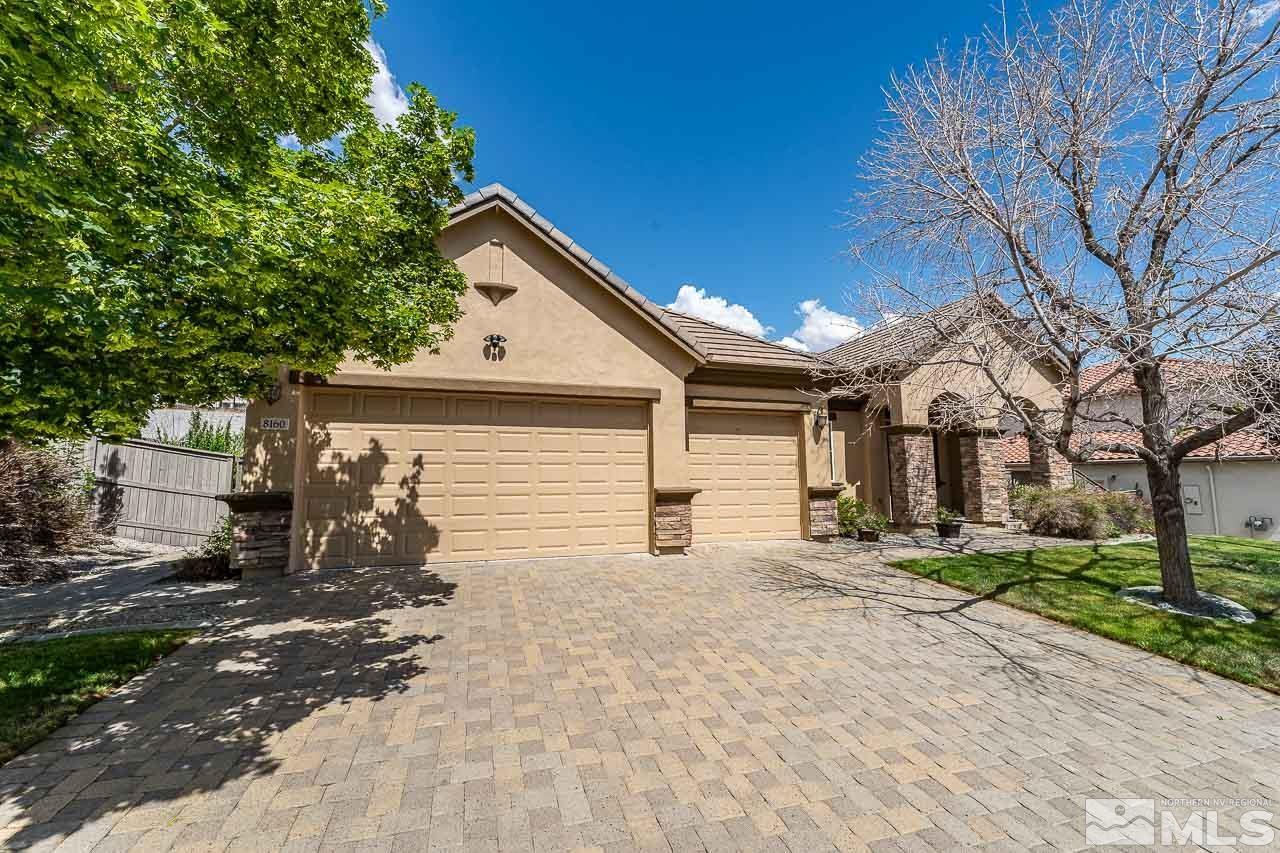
(868, 535)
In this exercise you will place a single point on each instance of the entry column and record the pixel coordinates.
(913, 483)
(986, 481)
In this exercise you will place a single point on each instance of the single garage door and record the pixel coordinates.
(399, 478)
(747, 466)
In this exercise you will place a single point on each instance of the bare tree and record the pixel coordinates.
(1096, 186)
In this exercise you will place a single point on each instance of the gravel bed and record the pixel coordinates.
(199, 614)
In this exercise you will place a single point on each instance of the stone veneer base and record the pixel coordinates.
(824, 520)
(673, 519)
(261, 524)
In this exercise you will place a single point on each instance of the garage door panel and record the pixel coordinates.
(381, 406)
(424, 408)
(468, 410)
(329, 403)
(747, 467)
(414, 477)
(465, 473)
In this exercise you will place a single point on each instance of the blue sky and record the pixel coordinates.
(706, 144)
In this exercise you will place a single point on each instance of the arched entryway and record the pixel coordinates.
(948, 423)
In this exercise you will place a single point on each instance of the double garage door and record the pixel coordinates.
(398, 478)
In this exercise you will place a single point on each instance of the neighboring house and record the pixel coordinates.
(1116, 398)
(1231, 487)
(567, 415)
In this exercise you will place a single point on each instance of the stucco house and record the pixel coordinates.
(1230, 487)
(569, 415)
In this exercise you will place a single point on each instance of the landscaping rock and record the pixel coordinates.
(1210, 607)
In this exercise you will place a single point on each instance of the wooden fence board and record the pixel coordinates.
(158, 492)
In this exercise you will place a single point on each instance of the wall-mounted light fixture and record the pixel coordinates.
(820, 419)
(495, 340)
(273, 394)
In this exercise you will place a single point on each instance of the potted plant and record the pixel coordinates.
(949, 523)
(871, 525)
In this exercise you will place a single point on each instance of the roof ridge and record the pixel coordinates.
(732, 330)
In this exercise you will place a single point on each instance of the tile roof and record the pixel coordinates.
(729, 346)
(1177, 371)
(897, 340)
(1245, 444)
(713, 344)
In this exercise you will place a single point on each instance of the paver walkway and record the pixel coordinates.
(786, 696)
(125, 586)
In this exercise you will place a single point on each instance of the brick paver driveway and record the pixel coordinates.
(787, 696)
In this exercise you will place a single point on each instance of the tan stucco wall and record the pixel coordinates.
(945, 375)
(561, 327)
(818, 449)
(862, 459)
(269, 455)
(1243, 489)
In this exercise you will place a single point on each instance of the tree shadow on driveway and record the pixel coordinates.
(1030, 654)
(301, 659)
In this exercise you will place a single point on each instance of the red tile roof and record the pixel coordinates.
(1177, 371)
(1246, 444)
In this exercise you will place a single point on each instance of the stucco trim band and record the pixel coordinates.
(480, 386)
(758, 405)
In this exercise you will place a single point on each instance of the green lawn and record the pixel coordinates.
(44, 684)
(1077, 586)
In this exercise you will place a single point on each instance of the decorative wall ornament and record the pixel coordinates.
(495, 287)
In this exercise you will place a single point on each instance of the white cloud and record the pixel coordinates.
(717, 309)
(820, 328)
(388, 100)
(1260, 15)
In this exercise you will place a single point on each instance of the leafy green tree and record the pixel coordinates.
(159, 244)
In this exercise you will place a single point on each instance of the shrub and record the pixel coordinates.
(848, 512)
(854, 515)
(1079, 514)
(212, 560)
(205, 435)
(45, 511)
(1128, 513)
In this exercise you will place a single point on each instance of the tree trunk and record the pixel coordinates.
(1176, 577)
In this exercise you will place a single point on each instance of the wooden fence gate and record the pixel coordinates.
(158, 492)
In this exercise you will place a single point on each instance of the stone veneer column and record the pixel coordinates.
(986, 481)
(824, 522)
(913, 484)
(1048, 466)
(261, 526)
(673, 519)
